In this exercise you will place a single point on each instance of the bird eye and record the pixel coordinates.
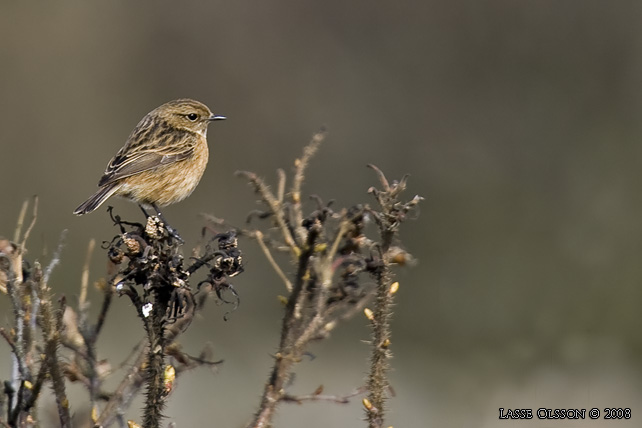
(192, 116)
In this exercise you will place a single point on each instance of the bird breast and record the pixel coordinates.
(167, 184)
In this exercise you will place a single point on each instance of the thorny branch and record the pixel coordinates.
(333, 254)
(146, 265)
(32, 305)
(336, 253)
(392, 213)
(152, 274)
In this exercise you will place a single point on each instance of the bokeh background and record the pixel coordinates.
(518, 122)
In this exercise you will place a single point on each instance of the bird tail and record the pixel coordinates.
(97, 199)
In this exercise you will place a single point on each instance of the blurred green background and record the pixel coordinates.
(518, 121)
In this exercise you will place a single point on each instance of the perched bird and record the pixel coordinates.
(163, 159)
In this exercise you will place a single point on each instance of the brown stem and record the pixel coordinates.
(155, 394)
(377, 382)
(289, 353)
(51, 328)
(377, 378)
(275, 207)
(318, 396)
(125, 391)
(300, 166)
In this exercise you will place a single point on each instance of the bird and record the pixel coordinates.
(162, 161)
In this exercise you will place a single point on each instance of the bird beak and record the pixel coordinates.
(216, 117)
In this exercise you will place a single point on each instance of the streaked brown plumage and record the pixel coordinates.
(163, 160)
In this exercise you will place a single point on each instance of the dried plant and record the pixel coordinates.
(152, 274)
(334, 256)
(343, 259)
(146, 264)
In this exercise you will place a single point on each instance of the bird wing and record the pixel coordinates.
(127, 164)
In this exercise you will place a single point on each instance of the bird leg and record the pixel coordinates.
(145, 213)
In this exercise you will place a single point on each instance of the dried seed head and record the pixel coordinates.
(133, 246)
(330, 326)
(116, 255)
(367, 404)
(168, 378)
(154, 227)
(394, 287)
(400, 256)
(319, 248)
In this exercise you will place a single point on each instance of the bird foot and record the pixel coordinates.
(173, 233)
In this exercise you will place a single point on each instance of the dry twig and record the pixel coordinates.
(331, 252)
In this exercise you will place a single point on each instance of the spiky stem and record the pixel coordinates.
(155, 395)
